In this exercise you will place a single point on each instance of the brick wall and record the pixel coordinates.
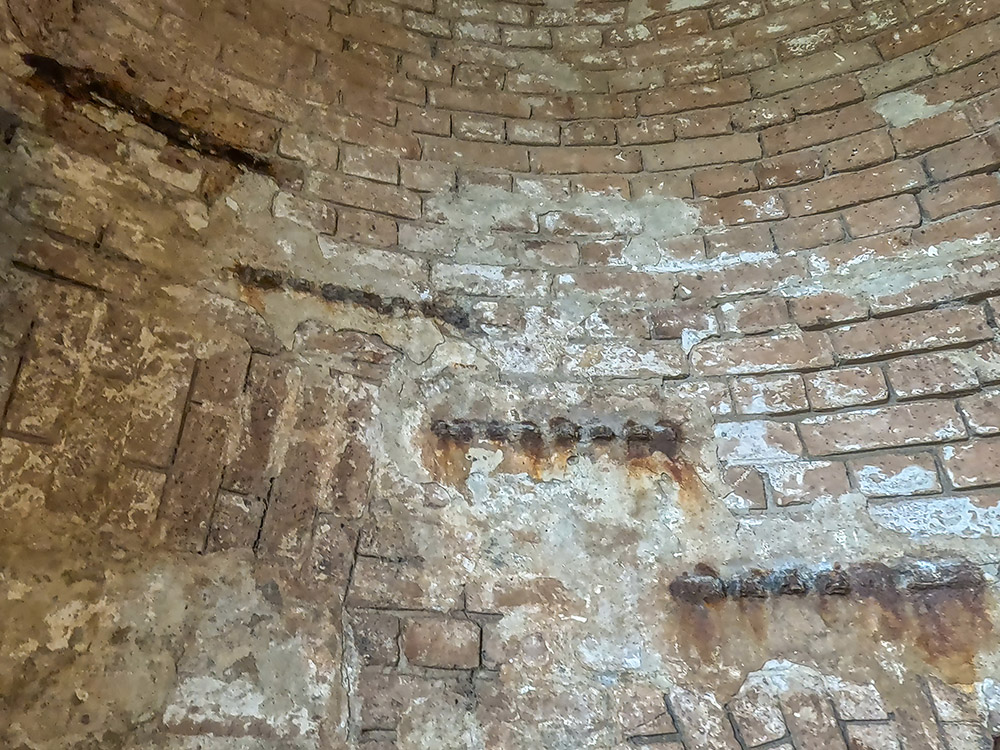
(394, 305)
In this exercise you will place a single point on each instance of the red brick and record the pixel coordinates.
(966, 46)
(789, 169)
(965, 156)
(965, 83)
(882, 215)
(423, 120)
(724, 180)
(366, 228)
(932, 27)
(703, 123)
(663, 359)
(746, 488)
(845, 59)
(930, 375)
(376, 636)
(825, 308)
(361, 193)
(754, 315)
(268, 387)
(582, 107)
(755, 238)
(193, 481)
(982, 222)
(876, 17)
(472, 127)
(488, 155)
(800, 482)
(783, 22)
(441, 643)
(318, 216)
(895, 74)
(745, 277)
(859, 151)
(746, 208)
(674, 185)
(294, 497)
(468, 100)
(601, 184)
(982, 412)
(658, 129)
(811, 130)
(973, 464)
(855, 187)
(760, 354)
(584, 159)
(589, 133)
(427, 176)
(739, 62)
(527, 37)
(769, 394)
(951, 197)
(672, 322)
(701, 151)
(682, 98)
(985, 111)
(762, 114)
(883, 427)
(930, 132)
(735, 11)
(846, 386)
(842, 255)
(533, 132)
(756, 442)
(896, 474)
(833, 93)
(930, 329)
(807, 42)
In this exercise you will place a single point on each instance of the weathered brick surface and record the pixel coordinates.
(896, 474)
(973, 464)
(911, 332)
(260, 248)
(883, 427)
(446, 644)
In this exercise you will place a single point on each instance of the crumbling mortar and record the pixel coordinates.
(90, 85)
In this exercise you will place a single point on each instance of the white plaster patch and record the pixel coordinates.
(909, 480)
(484, 461)
(951, 516)
(902, 108)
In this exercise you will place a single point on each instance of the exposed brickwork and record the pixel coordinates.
(444, 320)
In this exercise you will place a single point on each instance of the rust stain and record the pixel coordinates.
(543, 451)
(951, 627)
(941, 620)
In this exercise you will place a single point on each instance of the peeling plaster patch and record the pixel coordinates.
(675, 5)
(911, 479)
(953, 516)
(479, 210)
(637, 11)
(871, 275)
(901, 108)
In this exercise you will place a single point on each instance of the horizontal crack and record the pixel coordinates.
(84, 84)
(271, 280)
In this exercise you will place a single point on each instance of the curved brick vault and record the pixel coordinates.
(466, 374)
